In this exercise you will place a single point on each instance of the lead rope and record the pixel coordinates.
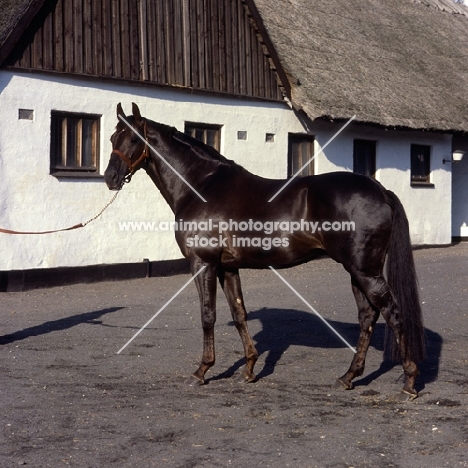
(109, 203)
(76, 226)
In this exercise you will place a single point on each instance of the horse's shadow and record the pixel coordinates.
(282, 328)
(58, 325)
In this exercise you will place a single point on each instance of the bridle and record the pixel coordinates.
(132, 165)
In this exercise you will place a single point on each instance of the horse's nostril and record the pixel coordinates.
(110, 177)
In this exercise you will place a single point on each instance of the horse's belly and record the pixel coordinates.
(262, 252)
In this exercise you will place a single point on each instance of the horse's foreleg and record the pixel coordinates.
(206, 286)
(367, 318)
(230, 282)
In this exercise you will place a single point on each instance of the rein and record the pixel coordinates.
(76, 226)
(132, 166)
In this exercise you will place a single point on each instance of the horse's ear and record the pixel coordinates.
(120, 112)
(136, 112)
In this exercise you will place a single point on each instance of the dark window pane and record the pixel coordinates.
(364, 152)
(71, 142)
(211, 137)
(200, 134)
(420, 163)
(87, 158)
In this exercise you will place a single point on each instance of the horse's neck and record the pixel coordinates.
(189, 167)
(153, 172)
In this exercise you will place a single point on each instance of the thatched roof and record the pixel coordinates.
(397, 63)
(14, 18)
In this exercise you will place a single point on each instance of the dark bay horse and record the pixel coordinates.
(226, 223)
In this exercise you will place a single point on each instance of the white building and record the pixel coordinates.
(232, 72)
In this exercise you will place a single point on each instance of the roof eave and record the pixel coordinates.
(285, 82)
(17, 29)
(393, 124)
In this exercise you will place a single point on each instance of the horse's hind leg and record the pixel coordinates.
(230, 282)
(368, 316)
(383, 298)
(380, 296)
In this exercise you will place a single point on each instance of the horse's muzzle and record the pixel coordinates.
(114, 180)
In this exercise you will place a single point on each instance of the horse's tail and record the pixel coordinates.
(401, 276)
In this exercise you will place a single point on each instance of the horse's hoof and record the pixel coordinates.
(405, 395)
(195, 381)
(244, 377)
(340, 383)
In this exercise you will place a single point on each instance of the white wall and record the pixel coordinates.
(428, 208)
(32, 199)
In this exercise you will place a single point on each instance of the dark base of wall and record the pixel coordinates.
(24, 280)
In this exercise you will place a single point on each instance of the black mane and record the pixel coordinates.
(203, 150)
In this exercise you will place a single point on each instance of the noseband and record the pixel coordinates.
(132, 165)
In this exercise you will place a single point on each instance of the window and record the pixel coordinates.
(420, 164)
(364, 157)
(26, 114)
(300, 151)
(208, 134)
(74, 145)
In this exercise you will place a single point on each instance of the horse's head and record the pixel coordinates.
(129, 148)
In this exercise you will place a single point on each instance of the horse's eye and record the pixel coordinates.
(134, 139)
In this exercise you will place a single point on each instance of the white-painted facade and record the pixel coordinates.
(428, 208)
(32, 199)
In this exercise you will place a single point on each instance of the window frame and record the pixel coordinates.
(365, 154)
(64, 164)
(420, 176)
(309, 151)
(191, 129)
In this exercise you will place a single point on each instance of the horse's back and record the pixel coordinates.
(359, 205)
(340, 196)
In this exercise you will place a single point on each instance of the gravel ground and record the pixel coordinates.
(68, 399)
